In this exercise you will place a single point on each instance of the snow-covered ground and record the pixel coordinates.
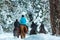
(9, 36)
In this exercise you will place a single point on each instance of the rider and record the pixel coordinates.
(16, 23)
(23, 20)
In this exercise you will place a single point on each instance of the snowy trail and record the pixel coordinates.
(9, 36)
(43, 37)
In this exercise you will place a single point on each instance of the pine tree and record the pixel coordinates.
(54, 15)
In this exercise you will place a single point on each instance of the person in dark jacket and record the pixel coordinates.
(16, 28)
(16, 23)
(34, 28)
(33, 25)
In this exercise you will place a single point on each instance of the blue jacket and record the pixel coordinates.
(23, 20)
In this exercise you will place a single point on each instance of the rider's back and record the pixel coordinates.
(16, 24)
(23, 21)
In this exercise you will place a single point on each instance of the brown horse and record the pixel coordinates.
(22, 31)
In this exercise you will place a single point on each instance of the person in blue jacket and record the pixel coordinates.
(23, 20)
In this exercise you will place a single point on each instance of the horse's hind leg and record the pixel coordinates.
(23, 32)
(22, 36)
(17, 36)
(18, 32)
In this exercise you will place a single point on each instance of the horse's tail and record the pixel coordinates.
(25, 29)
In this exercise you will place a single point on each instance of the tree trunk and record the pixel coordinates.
(54, 15)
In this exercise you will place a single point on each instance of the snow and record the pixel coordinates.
(9, 21)
(42, 37)
(39, 6)
(1, 30)
(9, 36)
(35, 37)
(23, 13)
(14, 0)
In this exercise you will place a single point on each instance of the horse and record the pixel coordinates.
(22, 30)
